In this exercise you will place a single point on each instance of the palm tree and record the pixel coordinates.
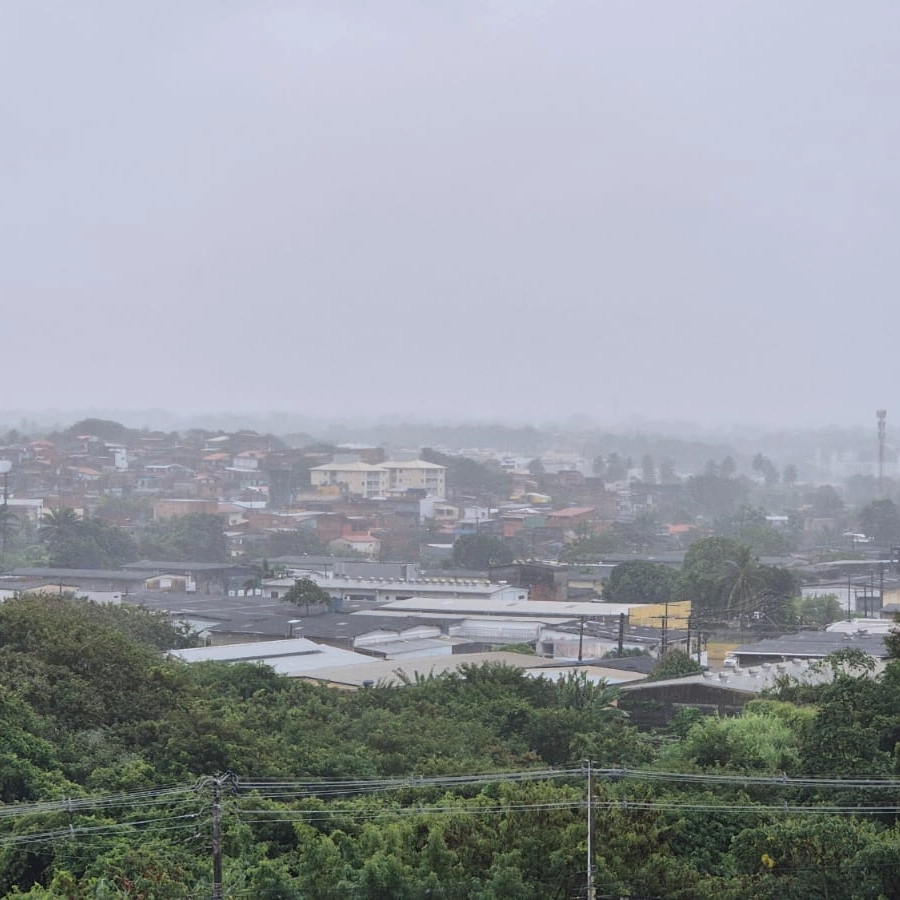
(742, 582)
(57, 524)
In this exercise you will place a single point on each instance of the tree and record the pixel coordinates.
(667, 474)
(536, 468)
(304, 592)
(789, 475)
(728, 469)
(57, 524)
(642, 533)
(742, 581)
(766, 738)
(85, 543)
(704, 572)
(469, 476)
(9, 525)
(713, 496)
(777, 596)
(749, 526)
(640, 581)
(198, 538)
(480, 551)
(105, 429)
(648, 469)
(675, 664)
(819, 610)
(880, 520)
(617, 467)
(825, 502)
(764, 467)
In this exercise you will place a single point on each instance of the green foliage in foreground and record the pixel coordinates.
(91, 710)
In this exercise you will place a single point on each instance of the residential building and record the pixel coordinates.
(416, 474)
(358, 478)
(393, 476)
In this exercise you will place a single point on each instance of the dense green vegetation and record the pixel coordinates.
(466, 785)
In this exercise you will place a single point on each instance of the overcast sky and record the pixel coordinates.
(512, 209)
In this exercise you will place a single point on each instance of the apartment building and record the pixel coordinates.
(391, 476)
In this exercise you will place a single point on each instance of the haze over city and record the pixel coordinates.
(517, 210)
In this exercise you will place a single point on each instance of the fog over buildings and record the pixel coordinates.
(519, 210)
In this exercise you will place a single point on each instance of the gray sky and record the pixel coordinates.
(671, 209)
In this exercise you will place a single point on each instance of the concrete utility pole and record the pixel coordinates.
(881, 415)
(591, 886)
(217, 839)
(217, 784)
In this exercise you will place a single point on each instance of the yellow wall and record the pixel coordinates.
(653, 614)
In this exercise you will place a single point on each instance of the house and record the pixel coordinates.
(364, 544)
(571, 519)
(176, 508)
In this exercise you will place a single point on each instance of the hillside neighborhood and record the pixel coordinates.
(480, 551)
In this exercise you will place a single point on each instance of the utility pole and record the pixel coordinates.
(665, 631)
(580, 638)
(591, 887)
(849, 588)
(621, 634)
(217, 783)
(217, 839)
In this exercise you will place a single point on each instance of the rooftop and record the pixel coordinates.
(97, 574)
(814, 644)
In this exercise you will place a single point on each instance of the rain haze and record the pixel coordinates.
(511, 210)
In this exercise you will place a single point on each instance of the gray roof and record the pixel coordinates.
(351, 625)
(752, 680)
(643, 664)
(287, 657)
(814, 644)
(153, 565)
(96, 574)
(393, 671)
